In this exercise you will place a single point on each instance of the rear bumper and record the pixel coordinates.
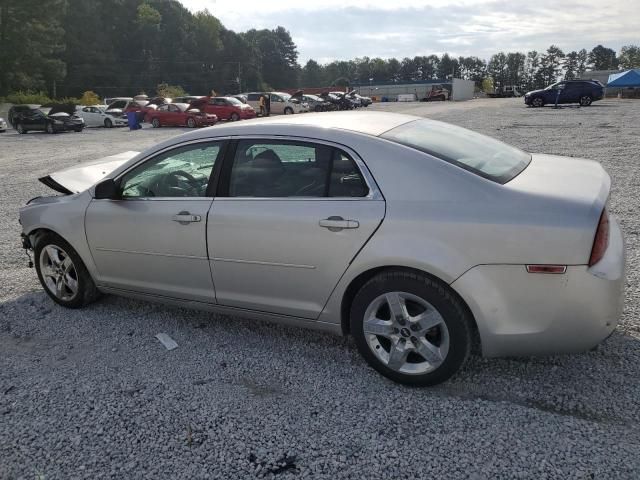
(520, 313)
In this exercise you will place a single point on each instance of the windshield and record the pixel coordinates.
(472, 151)
(233, 101)
(285, 96)
(550, 87)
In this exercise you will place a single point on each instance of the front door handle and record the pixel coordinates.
(185, 218)
(335, 224)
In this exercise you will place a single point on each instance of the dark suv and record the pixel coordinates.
(571, 91)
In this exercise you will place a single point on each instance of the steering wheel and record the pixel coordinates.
(173, 180)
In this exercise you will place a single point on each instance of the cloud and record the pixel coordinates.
(333, 29)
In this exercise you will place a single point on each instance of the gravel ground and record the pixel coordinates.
(92, 393)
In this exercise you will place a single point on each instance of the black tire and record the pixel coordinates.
(234, 117)
(108, 123)
(155, 123)
(86, 288)
(585, 100)
(288, 111)
(537, 102)
(191, 123)
(49, 128)
(453, 313)
(21, 129)
(79, 129)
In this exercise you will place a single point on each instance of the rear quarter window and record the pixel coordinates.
(477, 153)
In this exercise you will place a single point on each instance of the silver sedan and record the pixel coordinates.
(419, 238)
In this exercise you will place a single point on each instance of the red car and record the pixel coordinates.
(227, 108)
(179, 115)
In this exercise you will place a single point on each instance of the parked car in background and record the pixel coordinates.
(364, 101)
(437, 93)
(16, 109)
(3, 125)
(49, 119)
(225, 108)
(179, 115)
(583, 92)
(316, 104)
(97, 116)
(281, 103)
(123, 106)
(348, 97)
(413, 236)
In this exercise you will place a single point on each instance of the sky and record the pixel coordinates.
(330, 30)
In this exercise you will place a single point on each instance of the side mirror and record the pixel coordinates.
(106, 189)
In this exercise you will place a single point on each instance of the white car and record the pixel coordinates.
(281, 103)
(96, 116)
(3, 125)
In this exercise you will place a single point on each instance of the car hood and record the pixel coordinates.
(535, 91)
(80, 177)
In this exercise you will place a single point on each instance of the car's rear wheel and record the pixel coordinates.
(108, 123)
(78, 129)
(235, 117)
(411, 328)
(20, 128)
(155, 123)
(585, 100)
(537, 102)
(191, 123)
(49, 128)
(62, 273)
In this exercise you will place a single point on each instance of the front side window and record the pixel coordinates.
(182, 172)
(482, 155)
(293, 169)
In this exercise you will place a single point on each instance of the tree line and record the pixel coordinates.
(65, 47)
(527, 70)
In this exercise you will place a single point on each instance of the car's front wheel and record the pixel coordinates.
(585, 100)
(191, 123)
(155, 123)
(537, 102)
(49, 128)
(62, 273)
(108, 123)
(234, 117)
(288, 111)
(411, 328)
(20, 128)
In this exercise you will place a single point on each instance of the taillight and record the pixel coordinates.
(601, 241)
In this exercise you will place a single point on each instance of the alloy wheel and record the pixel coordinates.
(406, 333)
(538, 102)
(585, 101)
(59, 273)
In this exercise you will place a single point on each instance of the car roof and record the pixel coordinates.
(368, 123)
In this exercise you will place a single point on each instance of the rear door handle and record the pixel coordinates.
(185, 218)
(335, 224)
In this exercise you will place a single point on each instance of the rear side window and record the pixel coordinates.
(482, 155)
(254, 97)
(277, 169)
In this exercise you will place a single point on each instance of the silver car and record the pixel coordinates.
(419, 238)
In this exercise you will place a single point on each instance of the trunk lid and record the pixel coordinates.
(80, 177)
(575, 179)
(559, 200)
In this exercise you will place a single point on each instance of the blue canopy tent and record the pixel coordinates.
(630, 78)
